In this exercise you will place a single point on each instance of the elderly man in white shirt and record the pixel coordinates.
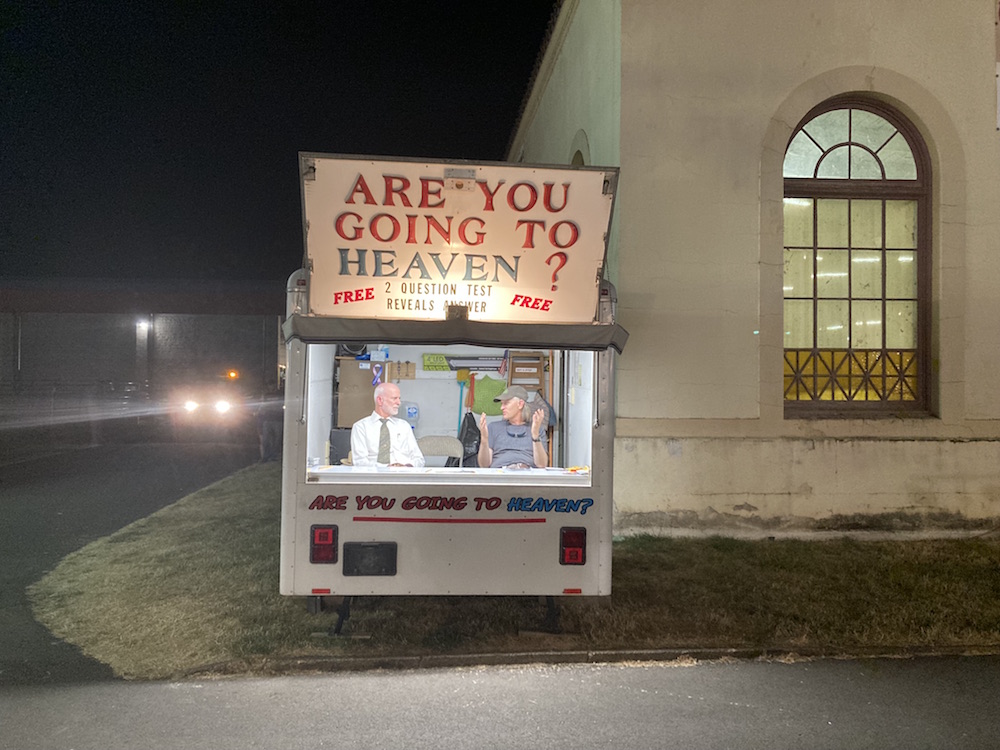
(381, 438)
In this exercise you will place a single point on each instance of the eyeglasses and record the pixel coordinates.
(516, 435)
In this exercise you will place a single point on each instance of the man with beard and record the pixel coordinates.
(382, 438)
(514, 442)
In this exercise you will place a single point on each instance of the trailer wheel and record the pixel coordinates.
(314, 604)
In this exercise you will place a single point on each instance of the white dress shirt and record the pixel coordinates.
(403, 447)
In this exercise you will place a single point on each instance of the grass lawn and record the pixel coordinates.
(195, 586)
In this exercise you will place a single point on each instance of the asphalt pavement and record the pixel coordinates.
(911, 704)
(65, 497)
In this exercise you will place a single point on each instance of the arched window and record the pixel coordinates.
(857, 263)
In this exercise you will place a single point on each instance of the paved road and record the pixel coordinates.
(53, 506)
(946, 703)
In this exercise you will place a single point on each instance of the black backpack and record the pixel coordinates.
(469, 436)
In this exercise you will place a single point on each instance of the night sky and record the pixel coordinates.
(159, 140)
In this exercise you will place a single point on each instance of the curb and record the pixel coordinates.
(326, 664)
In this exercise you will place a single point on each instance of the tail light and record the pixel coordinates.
(572, 546)
(323, 544)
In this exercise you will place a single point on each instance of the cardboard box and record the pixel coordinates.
(401, 371)
(354, 390)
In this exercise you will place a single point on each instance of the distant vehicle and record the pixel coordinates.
(213, 406)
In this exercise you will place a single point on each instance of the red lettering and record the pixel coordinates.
(574, 234)
(360, 186)
(480, 235)
(373, 502)
(532, 303)
(547, 197)
(354, 295)
(488, 206)
(395, 186)
(393, 224)
(529, 235)
(432, 223)
(386, 227)
(532, 197)
(330, 502)
(356, 231)
(425, 502)
(426, 193)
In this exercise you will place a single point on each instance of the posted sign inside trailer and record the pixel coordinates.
(406, 239)
(391, 247)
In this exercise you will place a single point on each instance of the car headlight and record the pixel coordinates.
(222, 406)
(190, 406)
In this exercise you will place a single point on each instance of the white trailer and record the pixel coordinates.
(436, 276)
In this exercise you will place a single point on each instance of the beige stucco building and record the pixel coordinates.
(697, 102)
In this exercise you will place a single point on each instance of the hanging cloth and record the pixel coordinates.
(488, 389)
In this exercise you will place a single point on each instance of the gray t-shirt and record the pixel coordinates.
(511, 443)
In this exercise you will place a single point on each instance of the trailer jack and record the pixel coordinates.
(552, 623)
(315, 605)
(343, 615)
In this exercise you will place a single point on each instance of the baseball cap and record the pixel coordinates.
(514, 391)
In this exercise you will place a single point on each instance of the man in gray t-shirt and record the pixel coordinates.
(514, 442)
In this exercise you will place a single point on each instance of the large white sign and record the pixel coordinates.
(406, 240)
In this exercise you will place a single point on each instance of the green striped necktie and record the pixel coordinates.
(383, 442)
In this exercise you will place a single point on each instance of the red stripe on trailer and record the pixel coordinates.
(448, 520)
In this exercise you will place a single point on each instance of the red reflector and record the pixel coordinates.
(322, 535)
(323, 544)
(320, 592)
(324, 554)
(574, 537)
(572, 546)
(572, 591)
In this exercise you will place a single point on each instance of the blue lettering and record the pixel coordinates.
(553, 505)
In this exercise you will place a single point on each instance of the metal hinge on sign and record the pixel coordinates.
(460, 178)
